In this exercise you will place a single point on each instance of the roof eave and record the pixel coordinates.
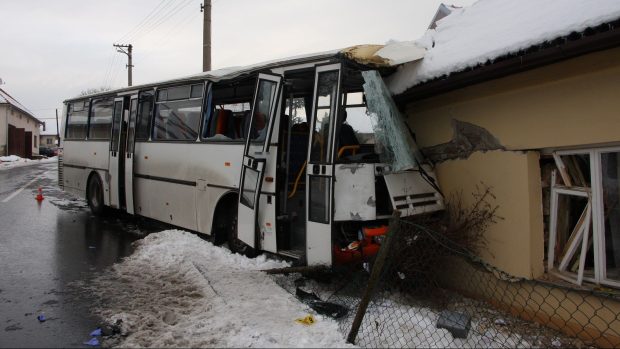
(28, 114)
(513, 64)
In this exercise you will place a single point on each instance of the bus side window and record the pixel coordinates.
(227, 110)
(77, 120)
(100, 123)
(145, 112)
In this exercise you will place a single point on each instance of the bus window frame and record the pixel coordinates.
(149, 125)
(206, 122)
(90, 115)
(155, 108)
(87, 106)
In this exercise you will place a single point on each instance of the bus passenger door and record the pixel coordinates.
(129, 153)
(320, 168)
(115, 157)
(264, 106)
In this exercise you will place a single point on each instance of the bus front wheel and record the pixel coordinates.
(236, 245)
(95, 195)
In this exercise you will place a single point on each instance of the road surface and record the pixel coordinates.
(47, 251)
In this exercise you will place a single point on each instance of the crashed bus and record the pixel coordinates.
(306, 158)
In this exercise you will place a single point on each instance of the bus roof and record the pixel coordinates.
(372, 56)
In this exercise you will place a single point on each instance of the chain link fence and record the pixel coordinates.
(444, 296)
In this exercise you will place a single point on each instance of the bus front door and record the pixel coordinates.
(320, 168)
(115, 157)
(129, 153)
(264, 106)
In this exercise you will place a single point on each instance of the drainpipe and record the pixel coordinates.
(6, 146)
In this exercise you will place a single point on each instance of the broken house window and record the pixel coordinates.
(584, 216)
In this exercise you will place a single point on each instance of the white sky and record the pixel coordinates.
(53, 50)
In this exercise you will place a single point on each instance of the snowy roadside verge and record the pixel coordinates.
(181, 291)
(13, 161)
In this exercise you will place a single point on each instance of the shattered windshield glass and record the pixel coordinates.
(393, 139)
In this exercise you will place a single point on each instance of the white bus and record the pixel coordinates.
(258, 157)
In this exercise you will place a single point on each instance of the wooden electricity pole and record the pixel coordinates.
(121, 48)
(206, 35)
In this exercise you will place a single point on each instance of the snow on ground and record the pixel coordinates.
(12, 161)
(393, 320)
(492, 28)
(178, 290)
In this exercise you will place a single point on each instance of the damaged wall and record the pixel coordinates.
(574, 102)
(515, 243)
(567, 104)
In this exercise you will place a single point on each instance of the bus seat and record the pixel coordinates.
(221, 121)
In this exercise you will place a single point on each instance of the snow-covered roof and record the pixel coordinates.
(490, 29)
(5, 98)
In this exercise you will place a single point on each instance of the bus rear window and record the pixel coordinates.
(177, 114)
(77, 120)
(100, 119)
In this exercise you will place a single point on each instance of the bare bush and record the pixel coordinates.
(423, 243)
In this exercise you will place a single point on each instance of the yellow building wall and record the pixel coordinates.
(515, 243)
(575, 103)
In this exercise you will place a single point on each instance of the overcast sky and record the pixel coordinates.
(53, 50)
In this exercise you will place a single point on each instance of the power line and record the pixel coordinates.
(187, 19)
(149, 23)
(170, 14)
(127, 36)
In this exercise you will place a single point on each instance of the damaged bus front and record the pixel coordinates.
(339, 161)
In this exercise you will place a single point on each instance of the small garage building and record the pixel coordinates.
(19, 128)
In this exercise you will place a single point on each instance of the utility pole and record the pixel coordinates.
(206, 35)
(121, 48)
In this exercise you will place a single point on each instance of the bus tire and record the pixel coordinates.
(235, 245)
(94, 195)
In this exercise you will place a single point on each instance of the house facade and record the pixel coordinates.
(49, 140)
(539, 126)
(19, 128)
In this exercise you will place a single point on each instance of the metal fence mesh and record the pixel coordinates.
(459, 301)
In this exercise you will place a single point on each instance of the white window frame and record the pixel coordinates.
(594, 212)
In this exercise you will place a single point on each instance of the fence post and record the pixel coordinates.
(374, 277)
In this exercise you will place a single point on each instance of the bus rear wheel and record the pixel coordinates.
(235, 245)
(94, 195)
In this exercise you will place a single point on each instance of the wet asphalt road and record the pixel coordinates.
(47, 250)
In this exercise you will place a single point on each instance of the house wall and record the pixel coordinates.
(514, 178)
(566, 104)
(21, 120)
(574, 103)
(53, 138)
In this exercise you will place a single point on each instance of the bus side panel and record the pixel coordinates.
(169, 178)
(80, 158)
(219, 167)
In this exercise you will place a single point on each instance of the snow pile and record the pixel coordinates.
(492, 28)
(179, 290)
(12, 158)
(16, 161)
(72, 204)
